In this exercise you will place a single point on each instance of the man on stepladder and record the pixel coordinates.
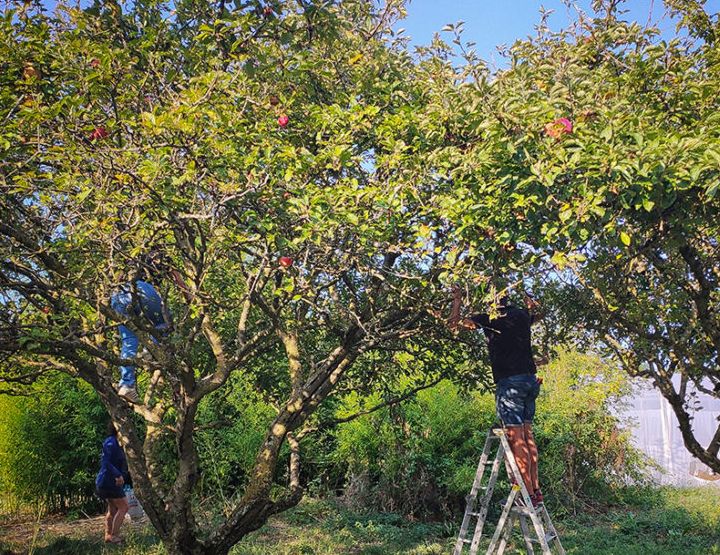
(514, 373)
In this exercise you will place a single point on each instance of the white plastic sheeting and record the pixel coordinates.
(655, 431)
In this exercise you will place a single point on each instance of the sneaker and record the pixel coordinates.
(536, 498)
(130, 394)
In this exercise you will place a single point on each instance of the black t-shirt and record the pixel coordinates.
(509, 342)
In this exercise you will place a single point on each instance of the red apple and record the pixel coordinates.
(94, 62)
(287, 195)
(285, 261)
(267, 10)
(558, 128)
(99, 133)
(274, 100)
(283, 121)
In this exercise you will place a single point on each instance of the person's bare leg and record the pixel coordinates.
(533, 452)
(121, 506)
(109, 516)
(519, 447)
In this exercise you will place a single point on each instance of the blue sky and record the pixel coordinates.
(493, 22)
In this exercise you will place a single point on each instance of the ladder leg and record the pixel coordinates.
(472, 497)
(510, 459)
(526, 535)
(507, 535)
(485, 502)
(503, 519)
(537, 523)
(550, 527)
(540, 531)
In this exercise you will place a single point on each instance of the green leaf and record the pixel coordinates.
(559, 259)
(712, 189)
(84, 194)
(625, 238)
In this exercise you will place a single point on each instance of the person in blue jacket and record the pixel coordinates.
(136, 299)
(109, 484)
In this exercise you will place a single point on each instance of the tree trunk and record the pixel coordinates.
(181, 543)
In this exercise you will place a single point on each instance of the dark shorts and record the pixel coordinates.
(110, 493)
(515, 399)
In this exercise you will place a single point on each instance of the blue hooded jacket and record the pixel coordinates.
(112, 464)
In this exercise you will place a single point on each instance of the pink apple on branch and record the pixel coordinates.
(99, 133)
(283, 120)
(285, 261)
(558, 128)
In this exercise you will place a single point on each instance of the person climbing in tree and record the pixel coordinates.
(514, 373)
(138, 299)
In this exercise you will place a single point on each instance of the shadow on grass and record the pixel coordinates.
(643, 522)
(325, 528)
(70, 546)
(650, 521)
(137, 542)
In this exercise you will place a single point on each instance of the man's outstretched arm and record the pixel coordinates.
(536, 311)
(456, 321)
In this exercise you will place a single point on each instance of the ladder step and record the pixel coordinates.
(548, 538)
(522, 511)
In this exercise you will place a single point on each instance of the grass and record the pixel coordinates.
(653, 522)
(658, 522)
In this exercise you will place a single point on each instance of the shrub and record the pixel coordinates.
(420, 458)
(50, 444)
(234, 425)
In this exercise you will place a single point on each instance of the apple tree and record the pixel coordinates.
(594, 159)
(265, 166)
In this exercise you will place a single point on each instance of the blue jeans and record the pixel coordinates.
(515, 399)
(151, 308)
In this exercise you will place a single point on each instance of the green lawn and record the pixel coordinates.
(657, 522)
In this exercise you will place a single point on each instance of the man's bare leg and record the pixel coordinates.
(533, 452)
(519, 447)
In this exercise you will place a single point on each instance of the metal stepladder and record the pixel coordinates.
(545, 535)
